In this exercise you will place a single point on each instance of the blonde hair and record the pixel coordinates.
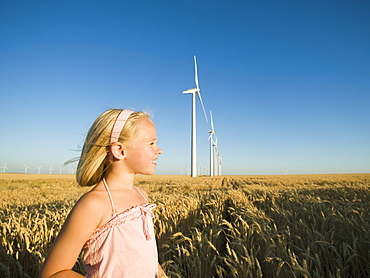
(93, 161)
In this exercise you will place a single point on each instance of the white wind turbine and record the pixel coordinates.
(25, 168)
(39, 169)
(51, 169)
(60, 170)
(215, 159)
(193, 125)
(4, 167)
(215, 156)
(219, 164)
(212, 144)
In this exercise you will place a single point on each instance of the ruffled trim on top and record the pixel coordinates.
(129, 214)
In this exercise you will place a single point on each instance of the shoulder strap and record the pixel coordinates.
(110, 197)
(141, 193)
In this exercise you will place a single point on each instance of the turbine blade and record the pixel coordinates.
(201, 102)
(196, 73)
(190, 91)
(210, 113)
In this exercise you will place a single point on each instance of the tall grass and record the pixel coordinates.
(228, 226)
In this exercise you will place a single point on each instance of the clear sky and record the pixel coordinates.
(288, 82)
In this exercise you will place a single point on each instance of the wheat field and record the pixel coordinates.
(223, 226)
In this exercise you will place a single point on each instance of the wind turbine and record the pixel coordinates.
(193, 125)
(51, 169)
(25, 168)
(39, 169)
(219, 164)
(215, 156)
(4, 167)
(211, 143)
(60, 170)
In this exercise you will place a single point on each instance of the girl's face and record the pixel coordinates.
(143, 151)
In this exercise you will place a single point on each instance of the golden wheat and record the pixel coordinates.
(224, 226)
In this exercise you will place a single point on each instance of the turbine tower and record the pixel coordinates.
(211, 143)
(51, 169)
(220, 164)
(216, 160)
(193, 125)
(215, 157)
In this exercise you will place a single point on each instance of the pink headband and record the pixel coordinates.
(117, 128)
(118, 125)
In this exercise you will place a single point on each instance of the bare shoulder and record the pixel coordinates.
(88, 208)
(95, 201)
(91, 200)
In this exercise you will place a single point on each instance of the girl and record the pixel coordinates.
(112, 223)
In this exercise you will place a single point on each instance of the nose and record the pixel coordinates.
(159, 151)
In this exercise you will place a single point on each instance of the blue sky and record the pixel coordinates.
(288, 82)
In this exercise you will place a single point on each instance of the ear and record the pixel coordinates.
(117, 151)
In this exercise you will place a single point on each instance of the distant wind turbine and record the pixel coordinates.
(25, 168)
(39, 169)
(4, 167)
(60, 170)
(220, 164)
(193, 126)
(215, 157)
(211, 143)
(51, 169)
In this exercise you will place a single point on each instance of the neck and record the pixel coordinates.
(116, 177)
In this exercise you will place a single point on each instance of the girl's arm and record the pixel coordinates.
(161, 273)
(77, 229)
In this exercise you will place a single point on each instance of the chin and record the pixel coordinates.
(147, 173)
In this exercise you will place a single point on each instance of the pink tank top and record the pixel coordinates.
(125, 246)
